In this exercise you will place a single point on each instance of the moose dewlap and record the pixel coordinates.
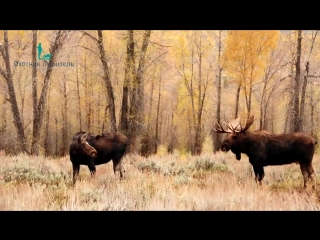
(264, 148)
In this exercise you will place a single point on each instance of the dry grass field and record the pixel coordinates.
(210, 182)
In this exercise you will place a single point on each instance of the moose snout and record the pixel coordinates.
(225, 148)
(93, 154)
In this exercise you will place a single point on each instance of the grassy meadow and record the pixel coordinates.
(210, 182)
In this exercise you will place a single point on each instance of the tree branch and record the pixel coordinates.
(3, 73)
(2, 51)
(88, 49)
(313, 76)
(92, 37)
(284, 78)
(159, 44)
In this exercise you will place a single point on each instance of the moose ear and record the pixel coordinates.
(82, 138)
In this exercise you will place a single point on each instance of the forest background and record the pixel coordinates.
(163, 89)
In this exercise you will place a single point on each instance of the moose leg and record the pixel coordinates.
(312, 176)
(308, 173)
(259, 172)
(92, 167)
(117, 166)
(304, 174)
(76, 168)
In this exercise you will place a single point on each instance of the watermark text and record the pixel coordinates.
(44, 64)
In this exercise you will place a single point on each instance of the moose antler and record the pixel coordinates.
(234, 126)
(250, 120)
(219, 129)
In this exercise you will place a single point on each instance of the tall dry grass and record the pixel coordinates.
(161, 182)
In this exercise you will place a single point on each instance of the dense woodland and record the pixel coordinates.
(163, 89)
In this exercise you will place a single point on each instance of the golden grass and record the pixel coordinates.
(210, 182)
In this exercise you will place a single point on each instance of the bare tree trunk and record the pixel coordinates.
(296, 107)
(312, 110)
(4, 123)
(7, 75)
(79, 98)
(151, 137)
(261, 115)
(193, 114)
(312, 105)
(35, 146)
(38, 118)
(303, 97)
(272, 118)
(136, 103)
(190, 141)
(171, 129)
(56, 136)
(87, 97)
(289, 126)
(189, 83)
(129, 76)
(107, 80)
(147, 141)
(304, 85)
(217, 137)
(201, 97)
(64, 113)
(157, 118)
(289, 118)
(249, 99)
(47, 134)
(263, 108)
(4, 120)
(237, 101)
(104, 128)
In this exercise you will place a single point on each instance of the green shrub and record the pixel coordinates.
(149, 166)
(208, 165)
(89, 195)
(31, 175)
(169, 169)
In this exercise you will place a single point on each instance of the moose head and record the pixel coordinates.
(84, 146)
(236, 135)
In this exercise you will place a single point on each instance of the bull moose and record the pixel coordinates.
(265, 148)
(91, 150)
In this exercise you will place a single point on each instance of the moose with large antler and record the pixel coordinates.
(265, 148)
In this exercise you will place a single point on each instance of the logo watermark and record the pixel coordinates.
(45, 57)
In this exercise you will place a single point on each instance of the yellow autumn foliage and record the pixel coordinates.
(247, 53)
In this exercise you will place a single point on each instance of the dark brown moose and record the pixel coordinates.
(92, 150)
(265, 148)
